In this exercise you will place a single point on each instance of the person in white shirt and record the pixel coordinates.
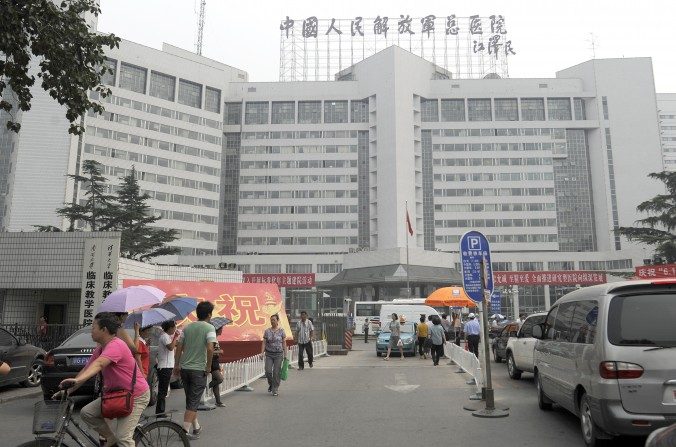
(165, 364)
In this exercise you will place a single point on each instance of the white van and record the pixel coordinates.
(411, 312)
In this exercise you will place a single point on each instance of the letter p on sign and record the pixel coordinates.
(474, 243)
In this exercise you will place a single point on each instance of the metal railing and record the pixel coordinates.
(468, 363)
(46, 337)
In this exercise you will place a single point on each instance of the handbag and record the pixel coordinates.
(118, 402)
(284, 373)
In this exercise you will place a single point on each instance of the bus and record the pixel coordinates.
(371, 310)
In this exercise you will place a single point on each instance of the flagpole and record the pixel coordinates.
(408, 285)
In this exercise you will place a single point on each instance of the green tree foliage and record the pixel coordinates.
(70, 57)
(133, 218)
(659, 228)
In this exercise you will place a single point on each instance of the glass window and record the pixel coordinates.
(580, 112)
(527, 328)
(479, 109)
(335, 111)
(359, 111)
(452, 110)
(429, 109)
(256, 113)
(562, 322)
(506, 110)
(283, 112)
(309, 112)
(268, 268)
(548, 328)
(559, 109)
(162, 86)
(189, 93)
(583, 325)
(532, 109)
(529, 266)
(298, 268)
(212, 100)
(233, 113)
(133, 78)
(6, 338)
(109, 78)
(604, 103)
(642, 320)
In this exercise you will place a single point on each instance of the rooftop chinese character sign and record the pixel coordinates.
(313, 49)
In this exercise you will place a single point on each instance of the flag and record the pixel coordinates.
(408, 224)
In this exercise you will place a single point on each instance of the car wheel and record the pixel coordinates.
(34, 374)
(543, 401)
(590, 431)
(514, 372)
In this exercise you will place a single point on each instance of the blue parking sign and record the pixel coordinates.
(496, 302)
(473, 249)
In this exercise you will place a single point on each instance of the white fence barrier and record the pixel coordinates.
(467, 363)
(240, 374)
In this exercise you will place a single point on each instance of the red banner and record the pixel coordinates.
(552, 278)
(656, 271)
(303, 280)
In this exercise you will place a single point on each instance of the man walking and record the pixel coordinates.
(366, 330)
(194, 353)
(304, 334)
(446, 326)
(472, 331)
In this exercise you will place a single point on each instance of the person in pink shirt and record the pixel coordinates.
(113, 359)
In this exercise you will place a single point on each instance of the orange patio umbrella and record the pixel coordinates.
(453, 296)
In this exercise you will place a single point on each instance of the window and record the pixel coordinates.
(309, 112)
(256, 113)
(580, 111)
(335, 111)
(189, 94)
(359, 111)
(233, 113)
(268, 268)
(162, 86)
(604, 103)
(562, 322)
(452, 110)
(642, 320)
(212, 100)
(6, 339)
(548, 329)
(429, 109)
(109, 78)
(283, 112)
(527, 328)
(506, 110)
(559, 109)
(479, 109)
(133, 78)
(529, 266)
(298, 268)
(561, 265)
(532, 109)
(583, 325)
(329, 268)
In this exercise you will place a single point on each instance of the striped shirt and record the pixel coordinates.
(303, 330)
(472, 327)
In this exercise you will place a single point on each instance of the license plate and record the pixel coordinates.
(78, 361)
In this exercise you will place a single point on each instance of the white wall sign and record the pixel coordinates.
(99, 275)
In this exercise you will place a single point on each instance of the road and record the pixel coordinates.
(361, 400)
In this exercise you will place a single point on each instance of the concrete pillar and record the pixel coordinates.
(515, 300)
(548, 299)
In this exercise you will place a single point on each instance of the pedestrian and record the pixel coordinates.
(274, 349)
(304, 336)
(472, 331)
(123, 335)
(43, 326)
(457, 328)
(165, 364)
(114, 361)
(395, 331)
(217, 371)
(438, 340)
(365, 326)
(447, 326)
(141, 336)
(194, 353)
(422, 332)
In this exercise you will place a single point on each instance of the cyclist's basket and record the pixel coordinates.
(48, 416)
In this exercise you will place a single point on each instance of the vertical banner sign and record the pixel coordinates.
(473, 249)
(99, 275)
(496, 301)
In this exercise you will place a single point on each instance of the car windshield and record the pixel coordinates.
(643, 320)
(405, 328)
(83, 339)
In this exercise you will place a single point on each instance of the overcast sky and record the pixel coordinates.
(547, 35)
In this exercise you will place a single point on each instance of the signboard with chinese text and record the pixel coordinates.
(656, 271)
(552, 278)
(496, 302)
(473, 250)
(99, 275)
(289, 280)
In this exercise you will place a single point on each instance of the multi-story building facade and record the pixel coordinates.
(666, 103)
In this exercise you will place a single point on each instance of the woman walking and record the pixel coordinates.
(422, 332)
(395, 330)
(438, 340)
(274, 349)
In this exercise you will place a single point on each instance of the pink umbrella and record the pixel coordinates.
(132, 298)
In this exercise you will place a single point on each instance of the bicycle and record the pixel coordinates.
(57, 417)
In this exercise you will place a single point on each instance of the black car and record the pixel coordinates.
(499, 343)
(66, 360)
(24, 360)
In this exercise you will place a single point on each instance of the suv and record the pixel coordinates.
(606, 353)
(24, 360)
(519, 351)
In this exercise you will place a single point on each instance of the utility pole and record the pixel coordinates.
(200, 27)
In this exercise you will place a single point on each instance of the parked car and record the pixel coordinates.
(407, 337)
(606, 353)
(499, 344)
(519, 350)
(24, 360)
(71, 356)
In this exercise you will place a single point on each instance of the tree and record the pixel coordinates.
(99, 208)
(139, 241)
(70, 57)
(659, 228)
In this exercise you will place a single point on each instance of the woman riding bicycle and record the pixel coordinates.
(113, 359)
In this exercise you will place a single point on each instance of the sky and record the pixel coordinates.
(548, 36)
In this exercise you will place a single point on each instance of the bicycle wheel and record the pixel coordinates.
(161, 434)
(42, 442)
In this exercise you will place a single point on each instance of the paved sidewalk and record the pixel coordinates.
(13, 392)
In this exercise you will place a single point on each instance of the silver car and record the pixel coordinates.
(606, 353)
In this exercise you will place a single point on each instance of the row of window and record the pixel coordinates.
(326, 240)
(502, 161)
(299, 225)
(290, 150)
(503, 147)
(160, 111)
(163, 86)
(151, 142)
(493, 192)
(500, 109)
(291, 268)
(534, 266)
(311, 209)
(309, 112)
(480, 207)
(266, 179)
(185, 217)
(116, 171)
(198, 235)
(150, 160)
(489, 177)
(300, 194)
(180, 198)
(606, 265)
(501, 238)
(298, 164)
(192, 251)
(299, 134)
(491, 223)
(554, 133)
